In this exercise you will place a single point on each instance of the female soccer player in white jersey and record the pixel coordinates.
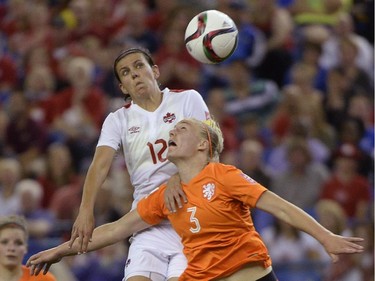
(141, 129)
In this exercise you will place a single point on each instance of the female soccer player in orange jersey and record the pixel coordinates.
(13, 248)
(215, 225)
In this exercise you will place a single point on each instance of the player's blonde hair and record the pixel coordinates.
(210, 130)
(14, 221)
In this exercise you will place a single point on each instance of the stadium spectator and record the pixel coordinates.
(58, 171)
(247, 95)
(75, 114)
(346, 186)
(178, 69)
(25, 138)
(361, 107)
(351, 131)
(10, 175)
(136, 29)
(344, 30)
(41, 222)
(302, 181)
(228, 123)
(277, 25)
(309, 53)
(276, 161)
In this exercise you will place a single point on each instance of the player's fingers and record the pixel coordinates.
(32, 269)
(352, 244)
(183, 196)
(334, 258)
(46, 268)
(353, 248)
(172, 205)
(85, 243)
(80, 243)
(32, 261)
(177, 199)
(354, 239)
(73, 238)
(169, 203)
(37, 268)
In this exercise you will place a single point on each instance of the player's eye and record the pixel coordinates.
(19, 243)
(3, 241)
(124, 72)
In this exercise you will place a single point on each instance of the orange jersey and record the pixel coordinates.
(215, 225)
(27, 277)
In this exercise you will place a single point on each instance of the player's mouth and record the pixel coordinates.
(139, 84)
(11, 257)
(171, 143)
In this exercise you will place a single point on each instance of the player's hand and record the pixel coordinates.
(336, 245)
(82, 230)
(174, 195)
(43, 261)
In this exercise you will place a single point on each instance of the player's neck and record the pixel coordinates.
(150, 103)
(7, 274)
(189, 169)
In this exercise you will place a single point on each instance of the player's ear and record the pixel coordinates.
(155, 70)
(203, 145)
(122, 88)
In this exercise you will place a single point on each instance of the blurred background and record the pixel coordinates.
(295, 102)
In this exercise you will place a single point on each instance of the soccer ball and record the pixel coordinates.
(211, 37)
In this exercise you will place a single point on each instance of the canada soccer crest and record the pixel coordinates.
(169, 118)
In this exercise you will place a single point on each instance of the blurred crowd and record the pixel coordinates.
(295, 103)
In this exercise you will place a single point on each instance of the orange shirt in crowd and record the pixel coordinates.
(215, 225)
(27, 277)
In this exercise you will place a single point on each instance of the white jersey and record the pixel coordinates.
(144, 135)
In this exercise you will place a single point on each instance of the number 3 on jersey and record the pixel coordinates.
(194, 220)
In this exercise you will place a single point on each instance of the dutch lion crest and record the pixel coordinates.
(208, 191)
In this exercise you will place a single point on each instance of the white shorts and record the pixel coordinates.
(157, 249)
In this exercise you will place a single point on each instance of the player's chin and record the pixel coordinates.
(170, 154)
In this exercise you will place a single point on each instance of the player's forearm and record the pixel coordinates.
(111, 233)
(293, 215)
(94, 179)
(96, 175)
(299, 219)
(103, 236)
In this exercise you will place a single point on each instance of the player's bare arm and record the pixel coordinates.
(96, 175)
(293, 215)
(102, 236)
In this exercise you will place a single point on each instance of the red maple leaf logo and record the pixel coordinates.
(169, 118)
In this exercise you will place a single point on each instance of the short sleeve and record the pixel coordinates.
(196, 107)
(110, 134)
(241, 187)
(151, 208)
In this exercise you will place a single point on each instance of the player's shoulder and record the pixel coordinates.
(120, 111)
(182, 92)
(189, 96)
(221, 169)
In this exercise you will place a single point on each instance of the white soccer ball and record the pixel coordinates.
(211, 37)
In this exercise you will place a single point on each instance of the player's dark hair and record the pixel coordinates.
(146, 53)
